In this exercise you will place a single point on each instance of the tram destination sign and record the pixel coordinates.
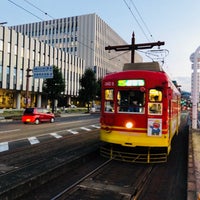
(43, 72)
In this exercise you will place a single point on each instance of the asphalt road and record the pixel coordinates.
(16, 134)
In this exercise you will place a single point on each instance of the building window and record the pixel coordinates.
(14, 77)
(8, 77)
(1, 67)
(21, 78)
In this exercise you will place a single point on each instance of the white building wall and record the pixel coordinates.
(19, 52)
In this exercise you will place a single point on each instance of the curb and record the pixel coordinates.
(193, 183)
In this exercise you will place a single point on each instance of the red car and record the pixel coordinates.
(37, 115)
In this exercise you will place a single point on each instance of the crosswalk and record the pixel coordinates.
(5, 146)
(57, 136)
(33, 140)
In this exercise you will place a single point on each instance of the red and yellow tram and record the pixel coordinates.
(140, 113)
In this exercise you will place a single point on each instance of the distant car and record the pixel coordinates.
(37, 115)
(73, 106)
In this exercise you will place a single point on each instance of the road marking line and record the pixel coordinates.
(3, 146)
(95, 126)
(33, 140)
(56, 135)
(63, 123)
(10, 131)
(73, 132)
(86, 129)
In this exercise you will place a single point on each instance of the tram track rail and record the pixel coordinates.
(74, 185)
(142, 183)
(25, 156)
(122, 180)
(27, 168)
(89, 185)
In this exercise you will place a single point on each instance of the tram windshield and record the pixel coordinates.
(131, 101)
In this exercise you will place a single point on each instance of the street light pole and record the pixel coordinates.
(27, 84)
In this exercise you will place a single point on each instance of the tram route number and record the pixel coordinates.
(109, 83)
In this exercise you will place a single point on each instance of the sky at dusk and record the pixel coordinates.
(174, 22)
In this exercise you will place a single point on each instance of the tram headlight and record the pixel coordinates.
(129, 125)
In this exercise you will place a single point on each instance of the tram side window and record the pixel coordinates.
(131, 101)
(109, 100)
(155, 95)
(155, 102)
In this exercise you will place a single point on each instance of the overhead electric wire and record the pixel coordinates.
(136, 20)
(142, 19)
(140, 26)
(25, 9)
(119, 55)
(54, 18)
(38, 9)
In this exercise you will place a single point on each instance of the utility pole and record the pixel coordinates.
(27, 84)
(132, 47)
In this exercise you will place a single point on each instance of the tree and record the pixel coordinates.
(54, 87)
(88, 84)
(98, 91)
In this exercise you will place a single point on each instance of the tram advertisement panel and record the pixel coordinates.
(154, 127)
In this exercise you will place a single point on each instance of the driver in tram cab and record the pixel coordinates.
(134, 107)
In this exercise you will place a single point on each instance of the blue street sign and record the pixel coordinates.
(43, 72)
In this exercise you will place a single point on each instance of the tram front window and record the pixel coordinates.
(131, 101)
(109, 100)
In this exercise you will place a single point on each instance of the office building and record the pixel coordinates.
(85, 36)
(19, 53)
(72, 44)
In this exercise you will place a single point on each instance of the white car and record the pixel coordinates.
(73, 106)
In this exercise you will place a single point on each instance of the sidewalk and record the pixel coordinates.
(196, 150)
(73, 114)
(2, 119)
(194, 165)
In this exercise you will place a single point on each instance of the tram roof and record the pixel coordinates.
(149, 66)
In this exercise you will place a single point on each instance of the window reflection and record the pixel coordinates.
(131, 101)
(155, 105)
(109, 100)
(155, 95)
(155, 108)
